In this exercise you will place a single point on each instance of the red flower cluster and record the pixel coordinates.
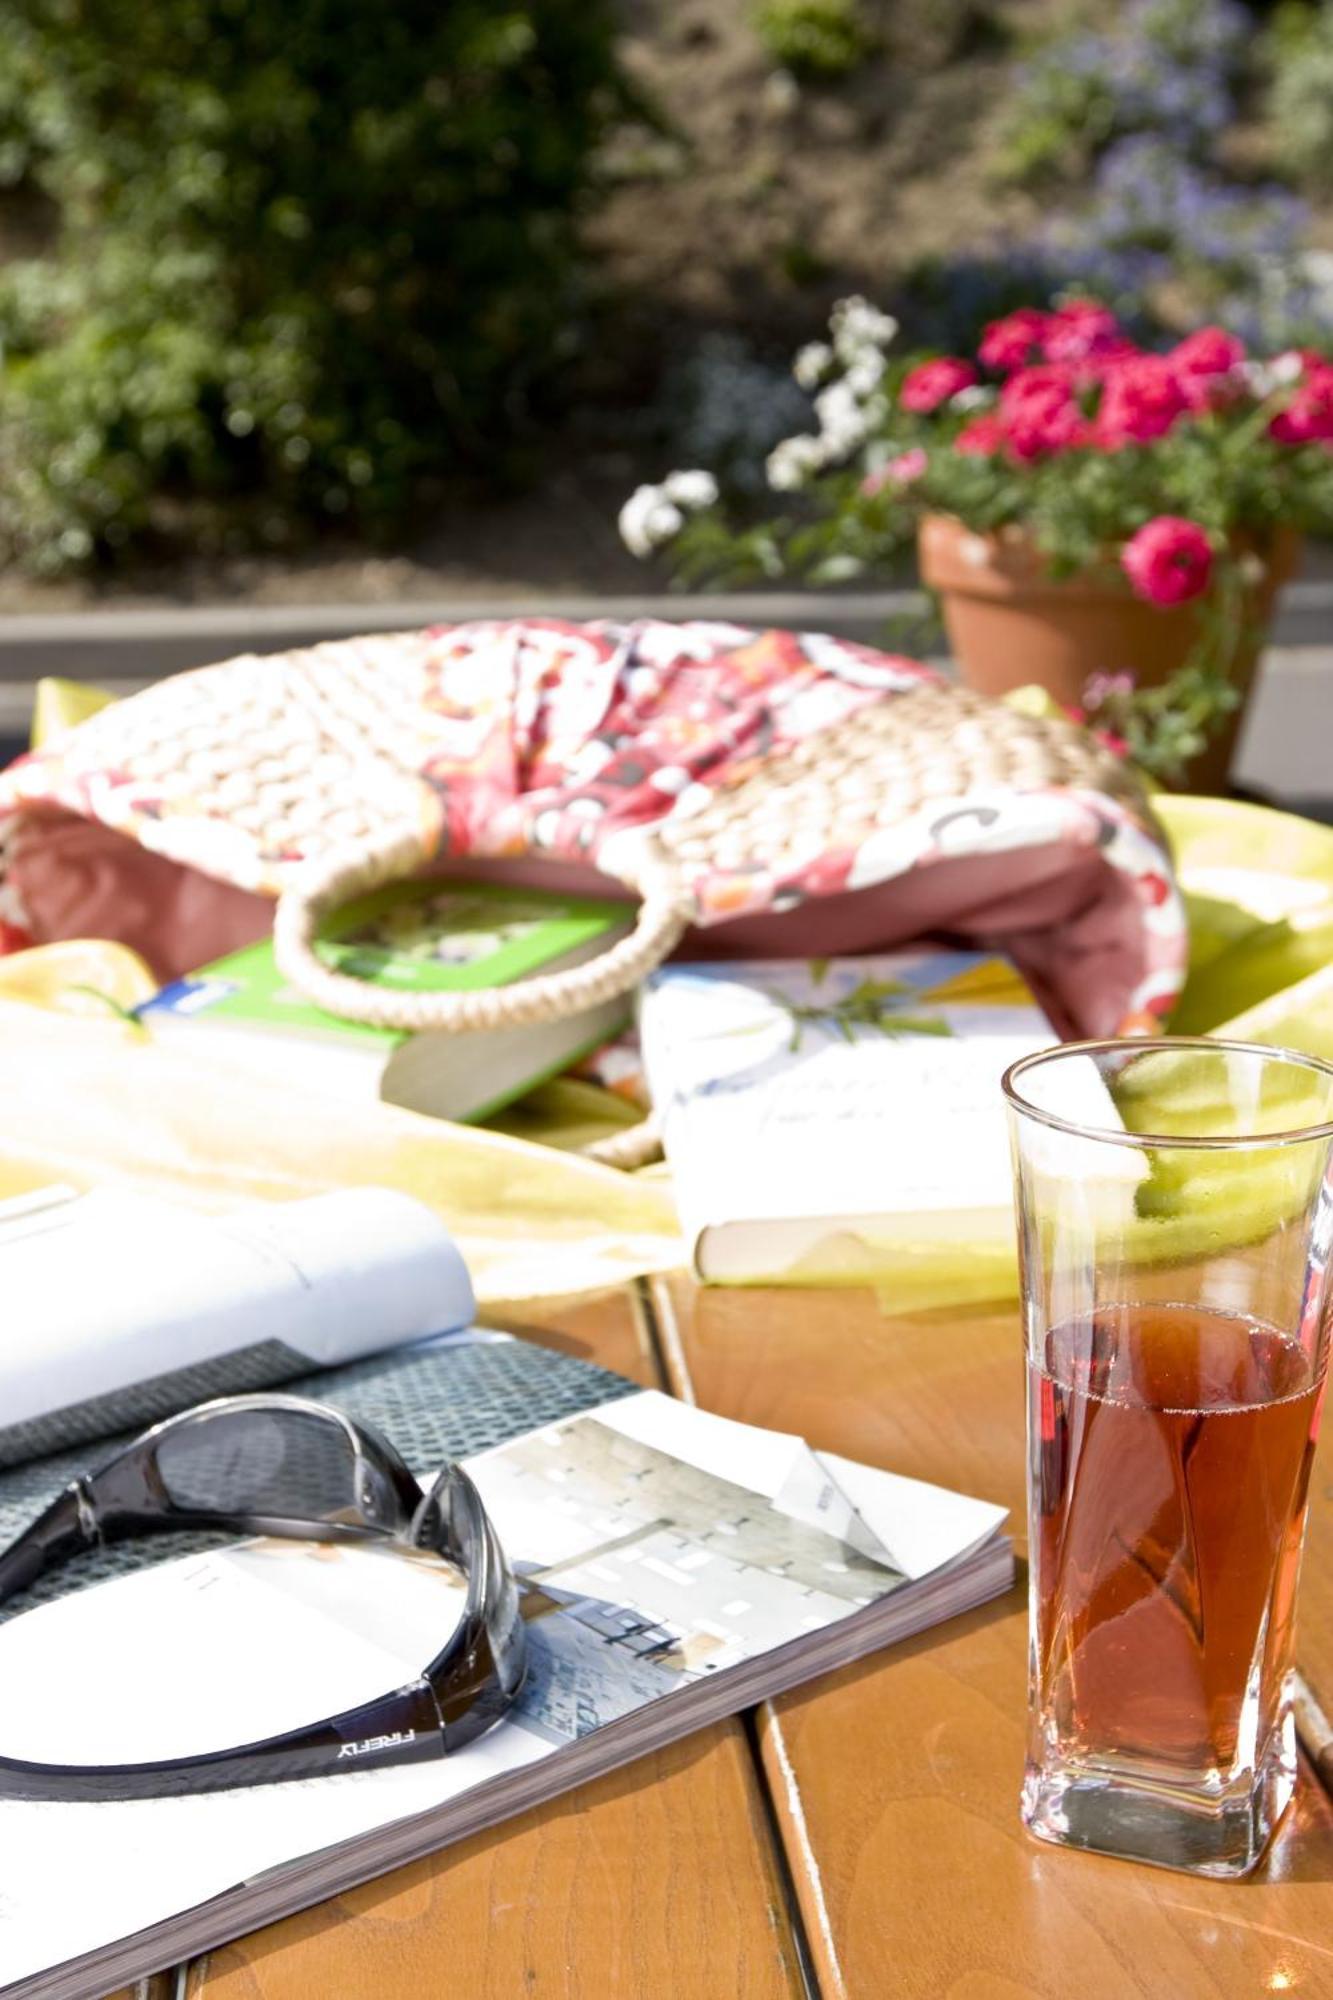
(1073, 380)
(1081, 334)
(1070, 380)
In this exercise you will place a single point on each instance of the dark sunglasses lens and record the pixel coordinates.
(288, 1464)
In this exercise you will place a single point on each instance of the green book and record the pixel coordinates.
(413, 937)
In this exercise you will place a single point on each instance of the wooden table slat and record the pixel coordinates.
(610, 1329)
(657, 1879)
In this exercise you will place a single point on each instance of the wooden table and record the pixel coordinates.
(858, 1839)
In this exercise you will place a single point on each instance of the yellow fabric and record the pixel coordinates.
(1258, 889)
(567, 1112)
(78, 976)
(60, 704)
(96, 1100)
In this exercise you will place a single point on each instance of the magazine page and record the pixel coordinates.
(657, 1546)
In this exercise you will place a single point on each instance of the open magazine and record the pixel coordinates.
(105, 1287)
(675, 1567)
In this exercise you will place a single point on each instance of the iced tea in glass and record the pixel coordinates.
(1175, 1210)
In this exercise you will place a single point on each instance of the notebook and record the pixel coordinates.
(411, 937)
(676, 1567)
(813, 1112)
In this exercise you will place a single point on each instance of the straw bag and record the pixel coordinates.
(771, 792)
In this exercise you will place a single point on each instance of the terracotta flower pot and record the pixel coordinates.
(1009, 623)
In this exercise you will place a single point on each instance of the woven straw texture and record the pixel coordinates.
(718, 772)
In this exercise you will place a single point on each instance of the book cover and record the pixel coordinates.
(411, 937)
(811, 1109)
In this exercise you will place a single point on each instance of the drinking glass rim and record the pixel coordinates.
(1171, 1045)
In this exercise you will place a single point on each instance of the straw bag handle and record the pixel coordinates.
(333, 879)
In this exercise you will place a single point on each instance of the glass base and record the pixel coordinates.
(1210, 1828)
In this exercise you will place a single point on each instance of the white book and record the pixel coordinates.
(125, 1308)
(813, 1110)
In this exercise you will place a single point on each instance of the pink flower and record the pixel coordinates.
(933, 382)
(1309, 414)
(1141, 400)
(1042, 429)
(900, 471)
(1168, 561)
(1205, 364)
(1209, 351)
(1098, 689)
(1039, 413)
(908, 465)
(982, 438)
(1007, 343)
(1080, 329)
(1035, 385)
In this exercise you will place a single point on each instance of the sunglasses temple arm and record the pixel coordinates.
(398, 1728)
(68, 1526)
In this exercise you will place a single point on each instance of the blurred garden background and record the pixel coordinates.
(305, 298)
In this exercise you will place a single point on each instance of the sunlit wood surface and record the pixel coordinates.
(659, 1879)
(895, 1782)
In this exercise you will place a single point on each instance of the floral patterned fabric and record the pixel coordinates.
(496, 740)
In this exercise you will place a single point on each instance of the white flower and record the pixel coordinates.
(844, 421)
(977, 397)
(857, 325)
(691, 490)
(1262, 377)
(790, 463)
(811, 363)
(648, 519)
(865, 374)
(1258, 377)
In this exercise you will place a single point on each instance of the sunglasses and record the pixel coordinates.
(278, 1465)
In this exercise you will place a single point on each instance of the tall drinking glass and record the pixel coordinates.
(1175, 1216)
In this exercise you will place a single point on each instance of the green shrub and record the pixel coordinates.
(813, 37)
(1300, 102)
(308, 253)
